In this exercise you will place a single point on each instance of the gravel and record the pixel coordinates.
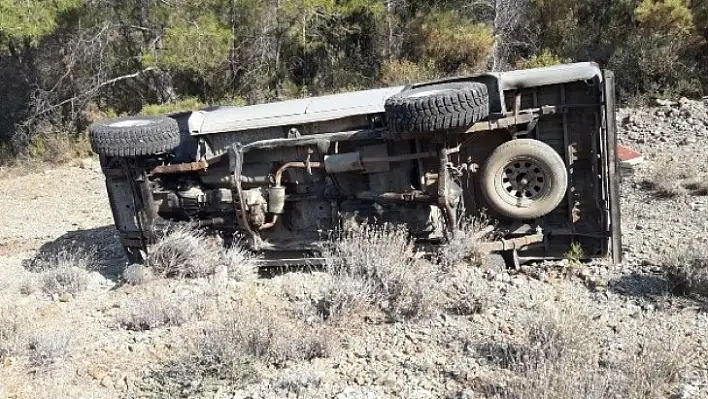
(442, 356)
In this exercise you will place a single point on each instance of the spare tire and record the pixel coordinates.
(437, 107)
(524, 179)
(135, 136)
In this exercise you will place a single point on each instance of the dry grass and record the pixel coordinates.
(250, 332)
(560, 357)
(162, 310)
(378, 266)
(677, 179)
(464, 248)
(240, 263)
(687, 269)
(65, 270)
(13, 329)
(184, 252)
(64, 280)
(299, 381)
(231, 349)
(137, 274)
(188, 252)
(49, 348)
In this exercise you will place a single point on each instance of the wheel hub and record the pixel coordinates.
(523, 180)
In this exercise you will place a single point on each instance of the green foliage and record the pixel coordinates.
(29, 21)
(575, 254)
(665, 16)
(66, 63)
(401, 72)
(452, 42)
(200, 46)
(543, 59)
(187, 104)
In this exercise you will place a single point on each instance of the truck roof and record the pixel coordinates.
(336, 106)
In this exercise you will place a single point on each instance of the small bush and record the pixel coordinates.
(666, 182)
(345, 296)
(137, 274)
(261, 336)
(464, 248)
(230, 348)
(454, 42)
(687, 269)
(13, 323)
(240, 263)
(184, 252)
(402, 72)
(161, 311)
(299, 381)
(382, 262)
(64, 280)
(49, 348)
(575, 254)
(188, 252)
(186, 104)
(560, 357)
(676, 178)
(65, 270)
(543, 59)
(66, 257)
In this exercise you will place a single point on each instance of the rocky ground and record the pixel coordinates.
(551, 330)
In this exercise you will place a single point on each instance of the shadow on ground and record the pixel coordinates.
(102, 244)
(655, 288)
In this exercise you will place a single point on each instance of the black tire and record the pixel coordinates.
(524, 179)
(135, 136)
(438, 107)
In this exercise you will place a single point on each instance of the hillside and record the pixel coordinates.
(72, 326)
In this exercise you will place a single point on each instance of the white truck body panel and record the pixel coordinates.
(366, 102)
(290, 112)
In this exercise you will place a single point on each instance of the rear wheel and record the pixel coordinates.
(135, 136)
(437, 107)
(524, 179)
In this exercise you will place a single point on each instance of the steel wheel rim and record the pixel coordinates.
(523, 181)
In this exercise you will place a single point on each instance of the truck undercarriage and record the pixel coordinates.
(534, 153)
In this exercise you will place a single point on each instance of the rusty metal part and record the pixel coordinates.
(415, 196)
(502, 123)
(279, 184)
(276, 200)
(270, 224)
(198, 166)
(512, 244)
(291, 165)
(354, 162)
(443, 200)
(240, 208)
(342, 163)
(399, 158)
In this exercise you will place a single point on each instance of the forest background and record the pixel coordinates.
(67, 63)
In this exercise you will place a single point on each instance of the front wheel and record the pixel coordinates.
(524, 179)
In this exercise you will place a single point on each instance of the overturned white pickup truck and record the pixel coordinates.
(532, 149)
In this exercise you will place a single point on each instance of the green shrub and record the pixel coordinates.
(454, 43)
(543, 59)
(188, 104)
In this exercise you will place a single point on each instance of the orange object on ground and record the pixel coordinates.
(628, 157)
